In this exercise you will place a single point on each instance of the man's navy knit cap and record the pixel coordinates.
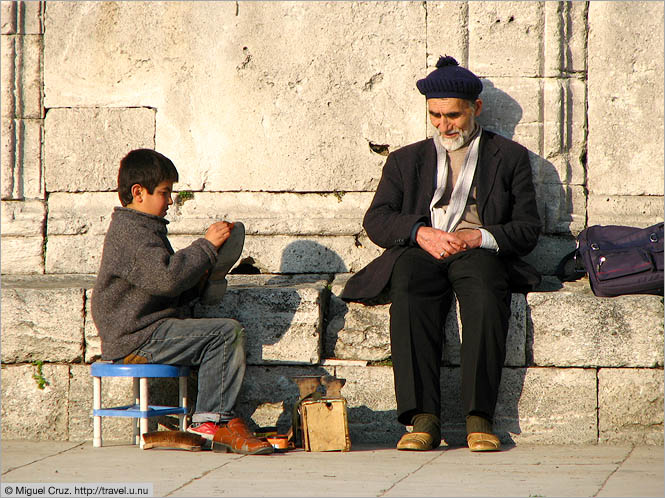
(450, 80)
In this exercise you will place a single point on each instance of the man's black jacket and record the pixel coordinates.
(506, 206)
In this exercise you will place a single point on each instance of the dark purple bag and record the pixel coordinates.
(618, 259)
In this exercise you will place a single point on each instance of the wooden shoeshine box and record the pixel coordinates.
(324, 425)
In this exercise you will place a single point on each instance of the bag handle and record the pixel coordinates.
(576, 273)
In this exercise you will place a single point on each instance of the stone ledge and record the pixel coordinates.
(572, 327)
(282, 316)
(43, 319)
(536, 405)
(296, 319)
(568, 327)
(358, 332)
(630, 405)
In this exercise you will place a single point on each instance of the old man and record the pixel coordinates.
(455, 213)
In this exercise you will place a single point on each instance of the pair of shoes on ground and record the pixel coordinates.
(422, 441)
(227, 256)
(233, 436)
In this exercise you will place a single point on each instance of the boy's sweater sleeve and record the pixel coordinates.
(158, 272)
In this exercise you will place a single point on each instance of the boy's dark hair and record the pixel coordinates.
(146, 167)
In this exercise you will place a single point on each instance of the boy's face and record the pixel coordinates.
(156, 203)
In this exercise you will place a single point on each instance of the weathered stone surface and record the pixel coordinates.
(447, 32)
(636, 211)
(8, 18)
(41, 324)
(625, 98)
(564, 140)
(22, 255)
(32, 413)
(266, 213)
(282, 316)
(355, 331)
(264, 121)
(562, 208)
(83, 147)
(572, 327)
(288, 254)
(8, 73)
(505, 38)
(548, 405)
(535, 405)
(270, 254)
(564, 44)
(510, 109)
(358, 332)
(21, 159)
(630, 405)
(372, 410)
(23, 218)
(22, 76)
(22, 17)
(548, 253)
(49, 282)
(262, 213)
(73, 254)
(85, 213)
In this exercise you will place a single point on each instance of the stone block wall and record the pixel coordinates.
(579, 369)
(280, 114)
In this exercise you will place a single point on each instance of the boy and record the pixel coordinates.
(142, 295)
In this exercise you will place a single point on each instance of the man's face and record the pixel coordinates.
(454, 119)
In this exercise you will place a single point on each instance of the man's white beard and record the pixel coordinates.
(451, 144)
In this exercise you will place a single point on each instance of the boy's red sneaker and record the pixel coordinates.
(204, 429)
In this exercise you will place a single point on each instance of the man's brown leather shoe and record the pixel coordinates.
(417, 441)
(236, 437)
(483, 441)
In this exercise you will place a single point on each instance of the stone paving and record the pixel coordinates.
(522, 470)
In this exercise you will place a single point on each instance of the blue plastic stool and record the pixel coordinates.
(141, 410)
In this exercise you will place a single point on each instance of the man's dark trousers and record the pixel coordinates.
(421, 290)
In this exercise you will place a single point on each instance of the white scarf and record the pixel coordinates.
(448, 221)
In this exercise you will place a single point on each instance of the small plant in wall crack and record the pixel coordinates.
(38, 375)
(183, 196)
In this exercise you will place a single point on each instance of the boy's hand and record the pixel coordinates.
(217, 233)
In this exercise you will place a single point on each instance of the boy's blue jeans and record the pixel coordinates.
(217, 347)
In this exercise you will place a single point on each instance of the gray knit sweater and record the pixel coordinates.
(142, 281)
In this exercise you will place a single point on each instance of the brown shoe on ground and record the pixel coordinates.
(483, 441)
(236, 438)
(417, 441)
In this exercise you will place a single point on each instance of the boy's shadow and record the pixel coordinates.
(287, 321)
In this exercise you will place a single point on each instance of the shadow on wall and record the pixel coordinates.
(307, 256)
(502, 114)
(285, 316)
